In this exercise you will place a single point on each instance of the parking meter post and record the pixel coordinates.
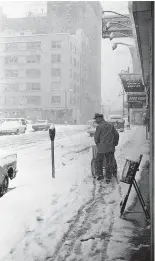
(52, 157)
(52, 137)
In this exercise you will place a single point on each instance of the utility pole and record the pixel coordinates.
(123, 101)
(123, 94)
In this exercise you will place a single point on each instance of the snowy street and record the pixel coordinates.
(69, 218)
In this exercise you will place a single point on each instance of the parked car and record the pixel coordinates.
(20, 120)
(91, 127)
(12, 127)
(41, 125)
(8, 171)
(117, 121)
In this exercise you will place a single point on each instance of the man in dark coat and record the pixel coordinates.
(106, 138)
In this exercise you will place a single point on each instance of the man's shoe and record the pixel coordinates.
(100, 177)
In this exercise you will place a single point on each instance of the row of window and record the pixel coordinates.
(19, 59)
(31, 73)
(13, 60)
(36, 45)
(15, 87)
(29, 86)
(30, 100)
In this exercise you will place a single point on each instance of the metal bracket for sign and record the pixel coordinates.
(128, 177)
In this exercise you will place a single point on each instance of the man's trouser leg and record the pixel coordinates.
(111, 165)
(99, 164)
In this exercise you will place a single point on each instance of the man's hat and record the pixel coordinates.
(98, 115)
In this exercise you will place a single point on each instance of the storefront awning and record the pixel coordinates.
(141, 12)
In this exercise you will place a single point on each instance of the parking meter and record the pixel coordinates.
(52, 132)
(52, 137)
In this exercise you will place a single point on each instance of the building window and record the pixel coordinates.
(11, 60)
(34, 100)
(33, 73)
(71, 73)
(56, 58)
(11, 46)
(56, 85)
(11, 73)
(12, 87)
(56, 99)
(33, 59)
(33, 86)
(33, 45)
(56, 44)
(75, 76)
(56, 72)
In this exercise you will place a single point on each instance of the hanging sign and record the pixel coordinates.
(136, 98)
(132, 82)
(136, 105)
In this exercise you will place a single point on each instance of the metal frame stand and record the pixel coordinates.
(129, 178)
(142, 202)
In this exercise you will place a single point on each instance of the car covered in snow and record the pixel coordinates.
(41, 125)
(91, 127)
(12, 127)
(8, 171)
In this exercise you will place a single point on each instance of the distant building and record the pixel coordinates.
(82, 20)
(68, 16)
(45, 76)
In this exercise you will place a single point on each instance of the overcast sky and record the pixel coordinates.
(112, 61)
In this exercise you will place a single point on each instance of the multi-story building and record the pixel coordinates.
(41, 75)
(68, 16)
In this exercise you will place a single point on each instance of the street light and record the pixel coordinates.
(115, 13)
(114, 46)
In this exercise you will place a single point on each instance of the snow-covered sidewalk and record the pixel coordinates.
(69, 218)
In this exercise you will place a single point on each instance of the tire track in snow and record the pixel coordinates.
(73, 225)
(80, 225)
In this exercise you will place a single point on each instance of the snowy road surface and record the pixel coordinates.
(30, 138)
(69, 218)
